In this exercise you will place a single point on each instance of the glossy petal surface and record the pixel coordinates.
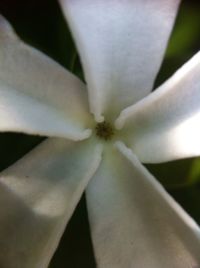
(134, 222)
(37, 95)
(38, 195)
(166, 124)
(121, 44)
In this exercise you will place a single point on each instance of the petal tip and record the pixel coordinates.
(5, 27)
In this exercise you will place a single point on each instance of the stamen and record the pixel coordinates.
(104, 131)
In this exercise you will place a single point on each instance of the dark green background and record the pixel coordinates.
(41, 24)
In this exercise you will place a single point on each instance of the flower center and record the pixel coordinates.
(104, 131)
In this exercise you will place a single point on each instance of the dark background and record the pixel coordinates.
(41, 24)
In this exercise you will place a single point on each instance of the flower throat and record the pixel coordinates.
(104, 131)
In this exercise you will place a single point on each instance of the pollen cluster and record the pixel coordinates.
(104, 131)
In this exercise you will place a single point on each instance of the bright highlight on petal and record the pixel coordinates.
(186, 140)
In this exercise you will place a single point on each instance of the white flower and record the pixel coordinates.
(134, 222)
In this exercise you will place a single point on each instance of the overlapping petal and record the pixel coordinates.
(38, 195)
(166, 124)
(121, 44)
(134, 222)
(37, 95)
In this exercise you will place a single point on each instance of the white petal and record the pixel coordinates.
(166, 125)
(37, 95)
(37, 197)
(121, 44)
(134, 222)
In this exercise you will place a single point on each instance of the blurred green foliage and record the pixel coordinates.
(41, 24)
